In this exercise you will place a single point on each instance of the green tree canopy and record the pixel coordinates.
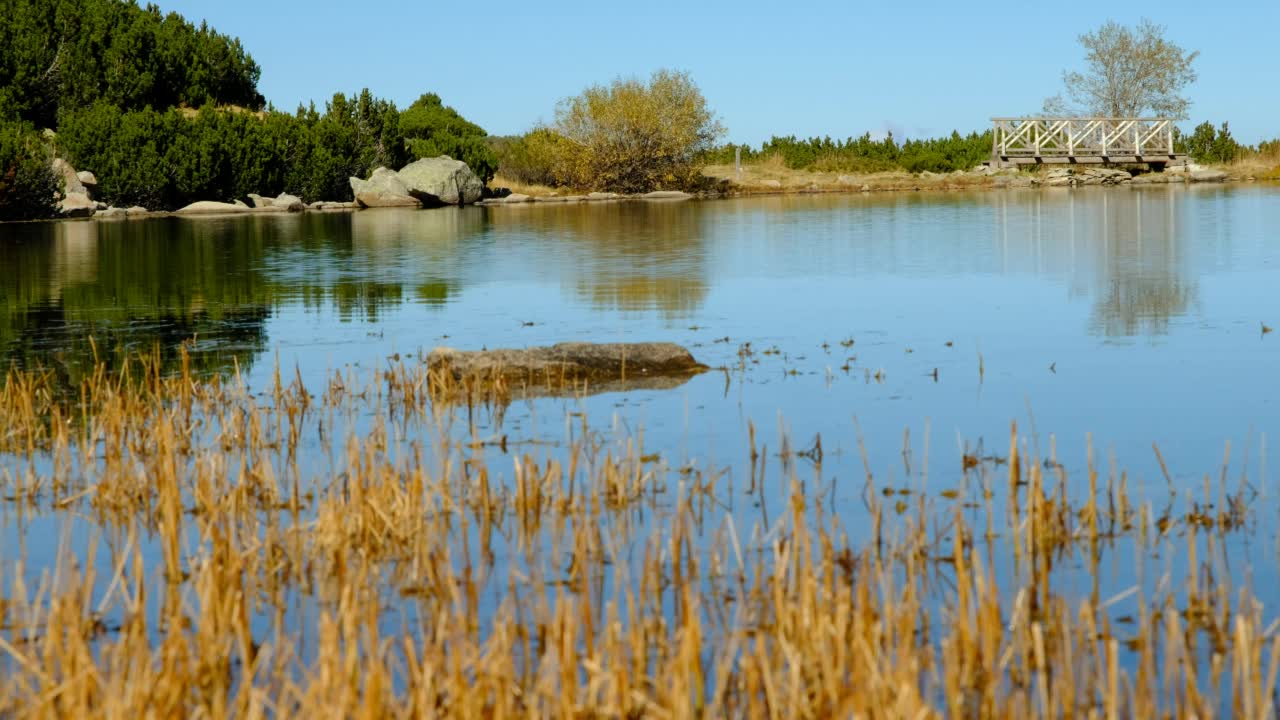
(431, 128)
(63, 55)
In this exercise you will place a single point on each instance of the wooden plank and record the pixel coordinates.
(1089, 159)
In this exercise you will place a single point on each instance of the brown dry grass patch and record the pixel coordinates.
(386, 577)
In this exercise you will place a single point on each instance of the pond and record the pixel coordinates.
(1135, 316)
(895, 336)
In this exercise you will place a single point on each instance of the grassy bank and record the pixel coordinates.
(215, 572)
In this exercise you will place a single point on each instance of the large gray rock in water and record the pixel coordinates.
(70, 180)
(568, 362)
(384, 188)
(442, 181)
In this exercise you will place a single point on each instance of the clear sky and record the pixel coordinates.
(808, 68)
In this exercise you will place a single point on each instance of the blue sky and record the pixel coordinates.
(808, 68)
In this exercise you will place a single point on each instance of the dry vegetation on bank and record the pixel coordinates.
(298, 553)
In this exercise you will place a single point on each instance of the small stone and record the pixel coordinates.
(515, 198)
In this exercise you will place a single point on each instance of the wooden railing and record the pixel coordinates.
(1084, 139)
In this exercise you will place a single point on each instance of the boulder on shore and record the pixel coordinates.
(667, 195)
(568, 362)
(332, 205)
(442, 181)
(384, 188)
(87, 179)
(77, 205)
(289, 203)
(1208, 176)
(70, 179)
(209, 207)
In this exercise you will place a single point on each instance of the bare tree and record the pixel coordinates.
(1128, 71)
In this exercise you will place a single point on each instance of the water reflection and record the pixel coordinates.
(73, 291)
(628, 256)
(1136, 256)
(1128, 251)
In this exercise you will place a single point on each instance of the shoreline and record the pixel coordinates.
(884, 188)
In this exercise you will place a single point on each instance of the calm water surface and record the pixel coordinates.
(1132, 315)
(929, 322)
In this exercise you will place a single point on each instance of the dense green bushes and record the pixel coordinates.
(431, 128)
(27, 184)
(70, 54)
(118, 82)
(863, 154)
(171, 158)
(1207, 144)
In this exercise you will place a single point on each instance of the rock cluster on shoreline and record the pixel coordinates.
(1077, 176)
(429, 182)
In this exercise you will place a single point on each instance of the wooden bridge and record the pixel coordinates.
(1046, 140)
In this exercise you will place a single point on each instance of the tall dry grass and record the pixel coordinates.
(1262, 162)
(363, 550)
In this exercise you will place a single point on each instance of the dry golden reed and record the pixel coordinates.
(363, 550)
